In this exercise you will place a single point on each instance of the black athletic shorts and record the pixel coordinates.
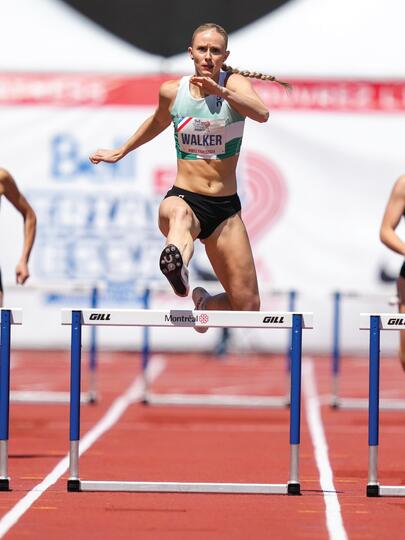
(402, 271)
(210, 211)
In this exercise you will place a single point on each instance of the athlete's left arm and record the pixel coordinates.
(239, 93)
(17, 199)
(242, 97)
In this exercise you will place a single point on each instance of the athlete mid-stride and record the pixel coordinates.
(208, 112)
(394, 211)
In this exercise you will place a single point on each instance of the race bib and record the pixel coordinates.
(201, 136)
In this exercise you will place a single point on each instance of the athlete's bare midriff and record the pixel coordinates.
(216, 177)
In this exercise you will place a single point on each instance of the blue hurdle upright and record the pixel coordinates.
(338, 402)
(215, 400)
(8, 317)
(185, 318)
(375, 322)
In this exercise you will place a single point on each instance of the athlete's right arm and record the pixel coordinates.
(148, 130)
(9, 188)
(393, 212)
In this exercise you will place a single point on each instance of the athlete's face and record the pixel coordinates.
(209, 53)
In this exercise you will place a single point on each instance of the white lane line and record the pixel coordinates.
(334, 521)
(118, 407)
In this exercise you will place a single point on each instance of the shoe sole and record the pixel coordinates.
(171, 264)
(199, 329)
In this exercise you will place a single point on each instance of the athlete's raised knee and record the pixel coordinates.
(180, 214)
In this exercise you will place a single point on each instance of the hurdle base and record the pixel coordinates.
(334, 403)
(91, 398)
(38, 396)
(294, 488)
(385, 491)
(4, 484)
(362, 404)
(73, 485)
(207, 400)
(181, 487)
(373, 490)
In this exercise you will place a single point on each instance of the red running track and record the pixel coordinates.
(204, 445)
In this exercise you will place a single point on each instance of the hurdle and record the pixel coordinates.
(215, 400)
(186, 318)
(374, 323)
(353, 403)
(8, 318)
(56, 397)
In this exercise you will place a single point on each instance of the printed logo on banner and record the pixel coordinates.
(69, 162)
(263, 192)
(106, 235)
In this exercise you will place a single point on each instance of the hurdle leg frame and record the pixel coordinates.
(374, 489)
(92, 396)
(373, 414)
(145, 354)
(350, 403)
(52, 397)
(75, 383)
(4, 398)
(292, 487)
(335, 401)
(214, 400)
(7, 318)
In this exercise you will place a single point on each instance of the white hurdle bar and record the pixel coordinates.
(8, 318)
(186, 318)
(375, 322)
(355, 403)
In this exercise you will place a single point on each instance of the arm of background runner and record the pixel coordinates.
(17, 199)
(392, 215)
(148, 130)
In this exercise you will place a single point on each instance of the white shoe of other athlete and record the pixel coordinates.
(200, 297)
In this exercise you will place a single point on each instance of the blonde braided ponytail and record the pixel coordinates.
(255, 75)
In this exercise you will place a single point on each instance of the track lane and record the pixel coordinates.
(347, 436)
(191, 444)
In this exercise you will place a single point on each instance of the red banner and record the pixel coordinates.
(71, 90)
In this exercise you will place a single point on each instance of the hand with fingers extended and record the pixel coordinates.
(208, 85)
(109, 156)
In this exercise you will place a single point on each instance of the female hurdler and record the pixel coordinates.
(394, 211)
(208, 112)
